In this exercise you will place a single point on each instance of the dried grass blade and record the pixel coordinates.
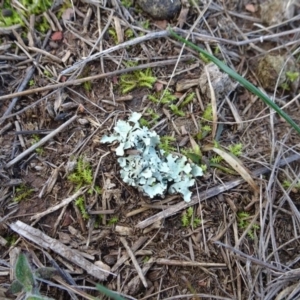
(213, 104)
(235, 114)
(237, 166)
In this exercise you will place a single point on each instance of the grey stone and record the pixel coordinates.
(160, 9)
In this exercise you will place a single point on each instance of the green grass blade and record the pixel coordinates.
(109, 293)
(249, 86)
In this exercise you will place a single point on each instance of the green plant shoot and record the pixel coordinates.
(82, 175)
(236, 149)
(136, 79)
(292, 76)
(80, 203)
(165, 144)
(167, 97)
(188, 219)
(22, 192)
(243, 222)
(113, 221)
(189, 98)
(176, 110)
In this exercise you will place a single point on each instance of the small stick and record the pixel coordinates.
(173, 262)
(46, 242)
(40, 143)
(59, 205)
(134, 283)
(8, 30)
(53, 17)
(212, 39)
(41, 51)
(101, 212)
(21, 139)
(28, 76)
(124, 257)
(134, 261)
(90, 78)
(58, 220)
(137, 40)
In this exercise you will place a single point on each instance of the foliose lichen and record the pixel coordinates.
(148, 169)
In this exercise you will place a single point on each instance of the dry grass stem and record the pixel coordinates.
(134, 261)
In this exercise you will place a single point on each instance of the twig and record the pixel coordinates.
(5, 128)
(28, 107)
(43, 52)
(260, 39)
(134, 261)
(28, 76)
(8, 30)
(90, 78)
(47, 242)
(133, 285)
(59, 205)
(198, 296)
(41, 142)
(173, 262)
(137, 40)
(134, 248)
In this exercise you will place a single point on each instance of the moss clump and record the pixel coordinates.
(10, 16)
(82, 175)
(244, 222)
(188, 218)
(80, 203)
(136, 79)
(22, 192)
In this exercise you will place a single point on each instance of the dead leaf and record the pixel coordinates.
(124, 230)
(235, 114)
(178, 95)
(195, 146)
(81, 108)
(67, 220)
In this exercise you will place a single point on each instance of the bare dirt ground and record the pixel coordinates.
(246, 245)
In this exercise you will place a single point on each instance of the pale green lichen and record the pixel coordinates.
(149, 170)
